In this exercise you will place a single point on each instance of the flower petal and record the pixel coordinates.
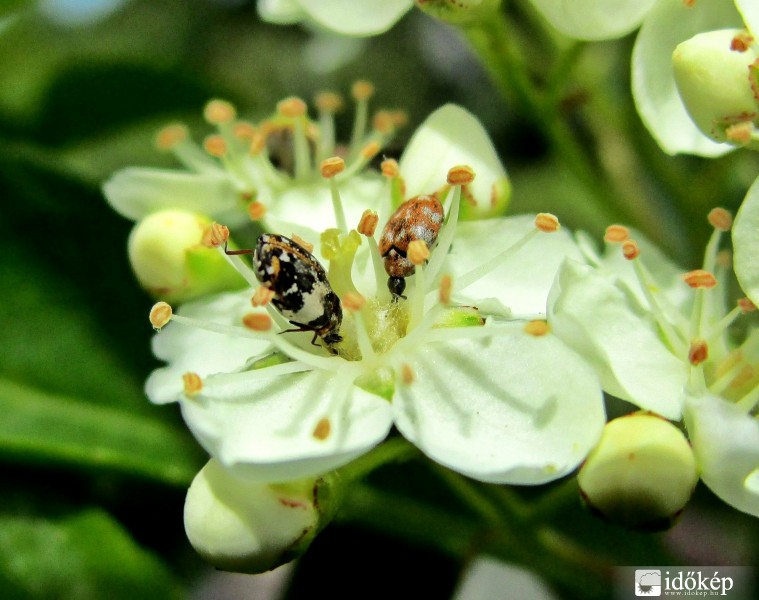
(514, 408)
(281, 427)
(137, 191)
(451, 136)
(653, 82)
(594, 19)
(749, 10)
(726, 443)
(521, 282)
(199, 351)
(593, 317)
(356, 17)
(746, 243)
(281, 12)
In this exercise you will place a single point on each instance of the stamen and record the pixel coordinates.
(460, 175)
(416, 301)
(262, 296)
(328, 102)
(295, 109)
(537, 328)
(244, 131)
(368, 223)
(391, 170)
(160, 315)
(257, 321)
(323, 429)
(370, 150)
(215, 146)
(193, 384)
(547, 223)
(170, 136)
(215, 235)
(301, 242)
(176, 138)
(218, 112)
(445, 238)
(445, 289)
(721, 219)
(257, 143)
(699, 279)
(730, 372)
(256, 210)
(741, 42)
(407, 374)
(630, 249)
(418, 252)
(329, 168)
(361, 92)
(698, 352)
(354, 302)
(292, 107)
(390, 167)
(616, 234)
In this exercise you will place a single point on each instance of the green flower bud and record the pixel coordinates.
(714, 74)
(250, 526)
(641, 474)
(170, 262)
(459, 12)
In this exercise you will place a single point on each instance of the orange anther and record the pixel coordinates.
(322, 429)
(460, 175)
(741, 42)
(368, 223)
(292, 107)
(407, 374)
(219, 111)
(328, 102)
(537, 328)
(740, 133)
(215, 145)
(390, 167)
(332, 166)
(616, 234)
(546, 222)
(256, 210)
(444, 291)
(257, 321)
(302, 243)
(160, 314)
(244, 131)
(630, 249)
(721, 219)
(418, 252)
(170, 136)
(353, 301)
(698, 352)
(215, 235)
(371, 150)
(192, 384)
(700, 279)
(746, 305)
(262, 296)
(362, 90)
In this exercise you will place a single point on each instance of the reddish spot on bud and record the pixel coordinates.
(616, 234)
(689, 3)
(740, 133)
(323, 429)
(537, 328)
(547, 223)
(332, 166)
(215, 235)
(630, 249)
(257, 321)
(368, 223)
(700, 279)
(193, 384)
(160, 314)
(460, 175)
(746, 305)
(698, 352)
(741, 42)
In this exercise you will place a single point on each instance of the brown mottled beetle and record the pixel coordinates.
(417, 219)
(302, 292)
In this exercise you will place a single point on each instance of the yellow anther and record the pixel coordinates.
(699, 279)
(192, 384)
(740, 133)
(741, 42)
(170, 136)
(257, 321)
(547, 223)
(323, 429)
(328, 102)
(292, 107)
(407, 374)
(390, 167)
(418, 252)
(219, 111)
(630, 249)
(368, 223)
(698, 352)
(215, 235)
(721, 219)
(262, 296)
(746, 305)
(460, 175)
(244, 131)
(362, 90)
(160, 314)
(302, 243)
(257, 143)
(332, 166)
(616, 234)
(353, 301)
(371, 150)
(256, 210)
(537, 328)
(215, 145)
(444, 291)
(383, 121)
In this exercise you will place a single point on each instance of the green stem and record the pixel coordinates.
(393, 450)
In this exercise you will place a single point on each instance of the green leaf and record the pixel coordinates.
(79, 556)
(41, 427)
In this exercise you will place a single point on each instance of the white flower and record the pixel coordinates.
(670, 352)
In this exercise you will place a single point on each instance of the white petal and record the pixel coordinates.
(746, 243)
(356, 17)
(749, 10)
(514, 408)
(653, 82)
(203, 352)
(281, 12)
(726, 443)
(487, 578)
(262, 426)
(590, 314)
(137, 191)
(522, 281)
(449, 137)
(594, 19)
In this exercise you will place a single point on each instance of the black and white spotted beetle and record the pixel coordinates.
(301, 290)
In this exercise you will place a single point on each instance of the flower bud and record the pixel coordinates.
(460, 12)
(713, 76)
(641, 474)
(251, 526)
(169, 261)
